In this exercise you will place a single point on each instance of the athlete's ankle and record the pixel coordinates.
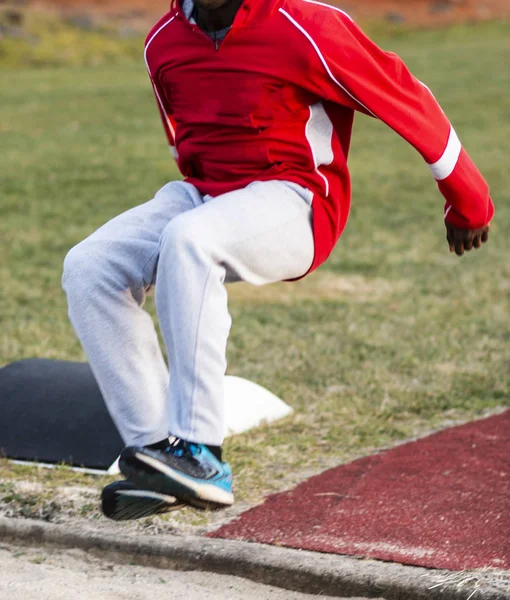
(216, 451)
(162, 445)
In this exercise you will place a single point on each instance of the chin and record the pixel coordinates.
(210, 4)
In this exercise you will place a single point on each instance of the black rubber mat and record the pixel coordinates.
(52, 411)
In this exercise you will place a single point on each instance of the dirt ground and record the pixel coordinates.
(49, 574)
(412, 12)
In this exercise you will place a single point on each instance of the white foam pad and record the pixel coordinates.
(249, 405)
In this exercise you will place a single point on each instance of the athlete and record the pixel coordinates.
(257, 98)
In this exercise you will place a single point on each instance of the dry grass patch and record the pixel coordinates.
(321, 285)
(63, 496)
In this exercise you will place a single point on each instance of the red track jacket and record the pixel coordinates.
(277, 101)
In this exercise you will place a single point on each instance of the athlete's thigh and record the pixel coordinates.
(148, 220)
(131, 239)
(262, 233)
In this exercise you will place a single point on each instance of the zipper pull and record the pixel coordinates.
(216, 44)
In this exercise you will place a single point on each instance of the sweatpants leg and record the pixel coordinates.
(260, 234)
(105, 278)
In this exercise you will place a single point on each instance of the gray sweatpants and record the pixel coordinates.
(187, 246)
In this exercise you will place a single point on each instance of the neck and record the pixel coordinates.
(219, 18)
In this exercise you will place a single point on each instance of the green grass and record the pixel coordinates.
(392, 338)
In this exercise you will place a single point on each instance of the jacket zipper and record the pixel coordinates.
(196, 28)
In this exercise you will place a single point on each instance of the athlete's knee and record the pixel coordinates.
(86, 267)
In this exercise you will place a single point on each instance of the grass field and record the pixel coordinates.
(392, 338)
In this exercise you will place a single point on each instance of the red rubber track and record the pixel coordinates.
(442, 501)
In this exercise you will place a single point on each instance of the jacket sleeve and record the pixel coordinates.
(358, 73)
(166, 119)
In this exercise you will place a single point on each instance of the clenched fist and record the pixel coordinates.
(461, 240)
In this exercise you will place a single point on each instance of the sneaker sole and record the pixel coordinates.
(128, 505)
(147, 472)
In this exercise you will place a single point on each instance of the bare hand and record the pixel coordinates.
(461, 240)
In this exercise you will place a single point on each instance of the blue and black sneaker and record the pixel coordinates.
(124, 501)
(189, 472)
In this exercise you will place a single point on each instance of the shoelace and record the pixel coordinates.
(180, 447)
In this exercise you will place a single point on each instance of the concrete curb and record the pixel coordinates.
(296, 570)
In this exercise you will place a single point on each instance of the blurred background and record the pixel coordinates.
(59, 32)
